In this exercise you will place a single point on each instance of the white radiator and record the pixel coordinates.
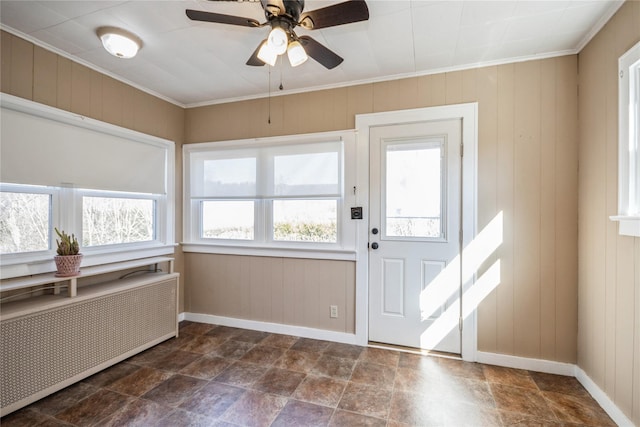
(56, 342)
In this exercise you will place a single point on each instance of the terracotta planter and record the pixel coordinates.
(68, 265)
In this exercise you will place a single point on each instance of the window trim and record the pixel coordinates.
(628, 217)
(344, 249)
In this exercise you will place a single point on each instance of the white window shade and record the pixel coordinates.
(285, 171)
(49, 150)
(313, 170)
(228, 174)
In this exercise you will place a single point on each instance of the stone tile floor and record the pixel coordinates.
(221, 376)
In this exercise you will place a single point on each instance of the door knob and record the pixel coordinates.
(374, 231)
(374, 245)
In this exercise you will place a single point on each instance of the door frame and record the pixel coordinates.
(468, 113)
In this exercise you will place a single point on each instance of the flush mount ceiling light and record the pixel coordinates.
(119, 42)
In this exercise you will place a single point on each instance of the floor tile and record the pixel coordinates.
(310, 345)
(182, 418)
(373, 374)
(349, 419)
(263, 354)
(213, 399)
(345, 351)
(414, 409)
(335, 367)
(255, 409)
(579, 410)
(294, 360)
(280, 341)
(559, 384)
(224, 332)
(462, 414)
(232, 349)
(109, 375)
(296, 414)
(508, 376)
(380, 356)
(461, 368)
(28, 417)
(321, 390)
(523, 400)
(174, 360)
(206, 367)
(279, 381)
(138, 413)
(253, 337)
(175, 390)
(195, 328)
(202, 344)
(241, 374)
(139, 382)
(64, 398)
(366, 400)
(94, 408)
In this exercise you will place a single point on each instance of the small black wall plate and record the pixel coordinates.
(356, 213)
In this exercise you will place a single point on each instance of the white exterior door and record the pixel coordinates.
(414, 235)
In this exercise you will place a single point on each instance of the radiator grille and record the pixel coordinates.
(41, 350)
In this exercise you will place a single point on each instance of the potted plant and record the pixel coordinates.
(69, 256)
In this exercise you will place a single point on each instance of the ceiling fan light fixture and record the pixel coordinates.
(118, 42)
(278, 40)
(296, 54)
(267, 55)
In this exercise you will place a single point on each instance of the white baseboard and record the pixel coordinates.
(275, 328)
(538, 365)
(603, 400)
(559, 368)
(180, 317)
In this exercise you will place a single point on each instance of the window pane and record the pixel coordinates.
(230, 177)
(413, 191)
(115, 220)
(24, 222)
(305, 220)
(306, 174)
(228, 219)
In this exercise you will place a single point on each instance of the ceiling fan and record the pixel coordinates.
(283, 16)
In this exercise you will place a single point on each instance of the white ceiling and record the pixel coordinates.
(195, 63)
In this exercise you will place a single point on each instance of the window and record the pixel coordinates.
(111, 187)
(26, 220)
(118, 220)
(276, 193)
(629, 144)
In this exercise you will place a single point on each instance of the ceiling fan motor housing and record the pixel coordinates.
(286, 8)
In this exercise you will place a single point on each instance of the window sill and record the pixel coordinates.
(46, 264)
(627, 225)
(279, 252)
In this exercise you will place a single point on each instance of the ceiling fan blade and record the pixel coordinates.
(320, 53)
(254, 60)
(337, 14)
(198, 15)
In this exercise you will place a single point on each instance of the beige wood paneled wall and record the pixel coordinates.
(609, 264)
(528, 156)
(34, 73)
(277, 290)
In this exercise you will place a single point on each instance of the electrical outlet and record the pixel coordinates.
(334, 311)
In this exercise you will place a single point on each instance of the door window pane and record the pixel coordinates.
(228, 219)
(413, 190)
(116, 220)
(305, 220)
(24, 222)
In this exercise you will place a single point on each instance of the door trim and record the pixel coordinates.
(468, 113)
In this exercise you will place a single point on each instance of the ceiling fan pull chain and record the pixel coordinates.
(269, 98)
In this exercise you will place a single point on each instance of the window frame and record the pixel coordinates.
(263, 243)
(628, 216)
(34, 256)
